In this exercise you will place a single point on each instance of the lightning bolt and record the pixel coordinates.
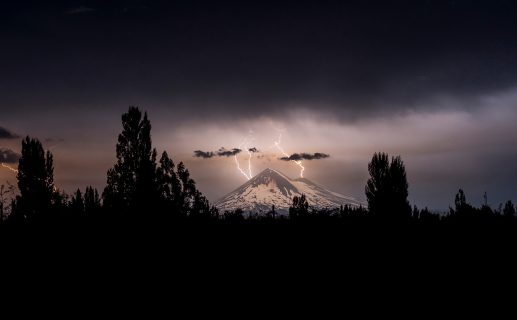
(3, 165)
(245, 143)
(297, 162)
(249, 162)
(240, 169)
(8, 167)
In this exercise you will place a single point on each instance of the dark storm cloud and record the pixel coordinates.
(8, 156)
(79, 10)
(222, 152)
(351, 59)
(6, 134)
(305, 156)
(203, 154)
(228, 153)
(254, 150)
(207, 62)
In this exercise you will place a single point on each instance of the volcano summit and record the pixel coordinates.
(271, 187)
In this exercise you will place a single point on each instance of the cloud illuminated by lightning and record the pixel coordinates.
(223, 152)
(297, 162)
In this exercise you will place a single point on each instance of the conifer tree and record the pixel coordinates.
(35, 180)
(131, 183)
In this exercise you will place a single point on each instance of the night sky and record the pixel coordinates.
(432, 81)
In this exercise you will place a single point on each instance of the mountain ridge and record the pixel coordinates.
(271, 187)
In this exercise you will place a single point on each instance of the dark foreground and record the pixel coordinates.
(258, 264)
(214, 241)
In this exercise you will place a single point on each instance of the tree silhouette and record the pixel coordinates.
(191, 201)
(187, 188)
(200, 207)
(235, 216)
(299, 208)
(273, 212)
(387, 187)
(136, 184)
(460, 201)
(35, 180)
(3, 202)
(169, 186)
(509, 209)
(463, 210)
(131, 182)
(77, 203)
(92, 202)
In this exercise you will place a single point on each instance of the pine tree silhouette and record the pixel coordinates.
(35, 180)
(169, 187)
(131, 186)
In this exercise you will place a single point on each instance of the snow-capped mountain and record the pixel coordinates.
(271, 187)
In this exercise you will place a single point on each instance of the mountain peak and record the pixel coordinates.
(269, 172)
(271, 187)
(271, 179)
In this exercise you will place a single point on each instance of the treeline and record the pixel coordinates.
(144, 187)
(139, 185)
(387, 195)
(462, 213)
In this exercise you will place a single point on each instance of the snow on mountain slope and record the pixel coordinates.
(271, 187)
